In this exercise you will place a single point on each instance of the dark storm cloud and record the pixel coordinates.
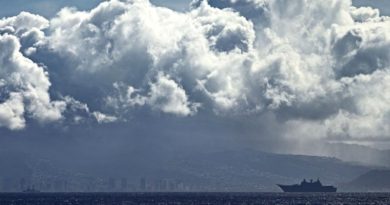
(321, 66)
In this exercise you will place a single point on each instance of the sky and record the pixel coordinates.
(49, 8)
(139, 78)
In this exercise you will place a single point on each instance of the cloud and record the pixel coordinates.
(167, 96)
(320, 66)
(24, 88)
(24, 21)
(164, 95)
(103, 118)
(122, 43)
(78, 113)
(364, 14)
(11, 112)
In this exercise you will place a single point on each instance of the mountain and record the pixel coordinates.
(259, 171)
(371, 181)
(239, 171)
(361, 154)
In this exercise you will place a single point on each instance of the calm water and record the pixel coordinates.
(192, 198)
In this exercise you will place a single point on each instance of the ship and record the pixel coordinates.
(305, 186)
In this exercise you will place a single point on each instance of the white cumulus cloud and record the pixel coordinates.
(317, 65)
(24, 91)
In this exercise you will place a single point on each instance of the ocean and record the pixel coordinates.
(192, 198)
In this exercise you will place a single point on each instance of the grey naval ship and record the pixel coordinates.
(305, 186)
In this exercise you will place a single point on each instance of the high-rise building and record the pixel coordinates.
(124, 185)
(142, 184)
(23, 184)
(111, 184)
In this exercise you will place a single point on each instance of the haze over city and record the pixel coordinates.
(172, 95)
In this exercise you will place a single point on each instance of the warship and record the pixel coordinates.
(310, 186)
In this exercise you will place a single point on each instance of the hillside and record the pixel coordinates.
(260, 171)
(240, 171)
(372, 181)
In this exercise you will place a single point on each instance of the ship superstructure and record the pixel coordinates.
(305, 186)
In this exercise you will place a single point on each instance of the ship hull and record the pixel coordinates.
(298, 189)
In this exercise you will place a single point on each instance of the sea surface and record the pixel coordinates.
(191, 198)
